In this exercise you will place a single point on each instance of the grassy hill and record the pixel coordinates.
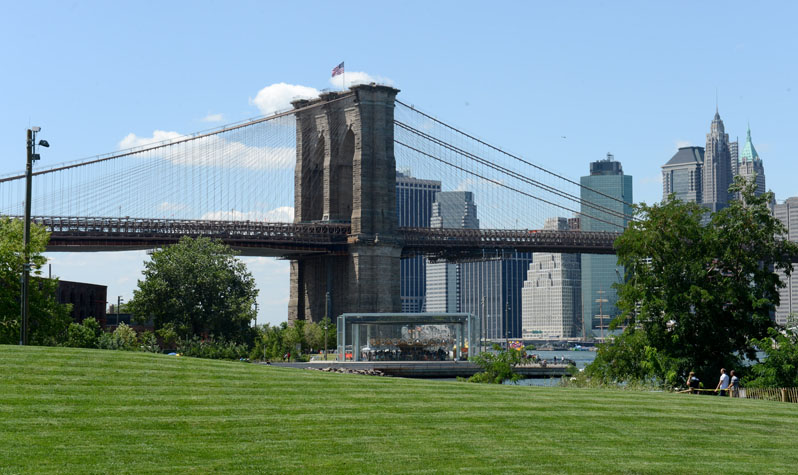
(73, 411)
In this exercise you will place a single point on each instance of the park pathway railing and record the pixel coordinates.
(770, 394)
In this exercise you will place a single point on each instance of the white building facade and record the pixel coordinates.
(552, 297)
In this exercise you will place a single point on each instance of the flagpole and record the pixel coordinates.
(343, 80)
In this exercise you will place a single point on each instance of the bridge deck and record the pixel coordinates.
(293, 240)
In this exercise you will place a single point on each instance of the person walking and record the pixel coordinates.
(723, 383)
(734, 384)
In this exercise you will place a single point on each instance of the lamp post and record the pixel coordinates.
(507, 327)
(32, 156)
(119, 301)
(326, 321)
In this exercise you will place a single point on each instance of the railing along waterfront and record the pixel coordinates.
(771, 394)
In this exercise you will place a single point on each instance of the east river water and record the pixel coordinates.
(581, 358)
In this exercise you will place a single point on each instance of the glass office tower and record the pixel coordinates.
(414, 198)
(608, 188)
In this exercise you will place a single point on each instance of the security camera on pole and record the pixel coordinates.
(26, 265)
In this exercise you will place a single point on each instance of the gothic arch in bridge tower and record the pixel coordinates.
(353, 133)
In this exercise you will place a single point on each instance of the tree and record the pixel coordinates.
(780, 367)
(695, 296)
(48, 320)
(200, 287)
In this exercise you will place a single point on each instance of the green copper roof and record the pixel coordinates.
(749, 152)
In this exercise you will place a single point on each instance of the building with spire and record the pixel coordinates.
(717, 170)
(704, 175)
(750, 165)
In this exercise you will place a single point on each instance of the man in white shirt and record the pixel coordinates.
(723, 383)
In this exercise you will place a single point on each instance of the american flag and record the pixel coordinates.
(338, 69)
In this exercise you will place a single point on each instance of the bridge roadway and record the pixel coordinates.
(293, 240)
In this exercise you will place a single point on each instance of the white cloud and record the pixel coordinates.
(158, 136)
(470, 183)
(682, 143)
(167, 206)
(213, 118)
(278, 97)
(283, 214)
(358, 77)
(214, 151)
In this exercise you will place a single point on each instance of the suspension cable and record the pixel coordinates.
(169, 143)
(412, 108)
(514, 174)
(496, 182)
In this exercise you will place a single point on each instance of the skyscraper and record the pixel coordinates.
(787, 213)
(608, 187)
(552, 293)
(750, 165)
(492, 289)
(451, 209)
(717, 171)
(682, 175)
(414, 198)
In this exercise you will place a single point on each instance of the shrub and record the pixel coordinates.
(497, 366)
(83, 335)
(149, 342)
(212, 348)
(123, 338)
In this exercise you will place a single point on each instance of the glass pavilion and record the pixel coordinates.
(408, 336)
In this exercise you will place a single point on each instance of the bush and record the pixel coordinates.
(149, 342)
(83, 335)
(213, 349)
(123, 338)
(497, 366)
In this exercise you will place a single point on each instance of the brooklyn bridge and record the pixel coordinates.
(316, 185)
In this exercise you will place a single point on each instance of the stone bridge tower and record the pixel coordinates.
(346, 172)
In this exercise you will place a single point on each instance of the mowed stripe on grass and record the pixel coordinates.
(72, 410)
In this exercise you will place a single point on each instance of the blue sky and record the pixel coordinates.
(633, 78)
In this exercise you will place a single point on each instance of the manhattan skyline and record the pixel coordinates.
(560, 85)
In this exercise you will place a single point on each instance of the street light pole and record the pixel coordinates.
(23, 329)
(507, 327)
(118, 309)
(326, 321)
(32, 156)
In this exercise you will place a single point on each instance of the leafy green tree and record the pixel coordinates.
(314, 336)
(696, 296)
(780, 367)
(199, 286)
(497, 366)
(48, 320)
(269, 344)
(84, 334)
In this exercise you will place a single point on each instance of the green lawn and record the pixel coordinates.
(76, 411)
